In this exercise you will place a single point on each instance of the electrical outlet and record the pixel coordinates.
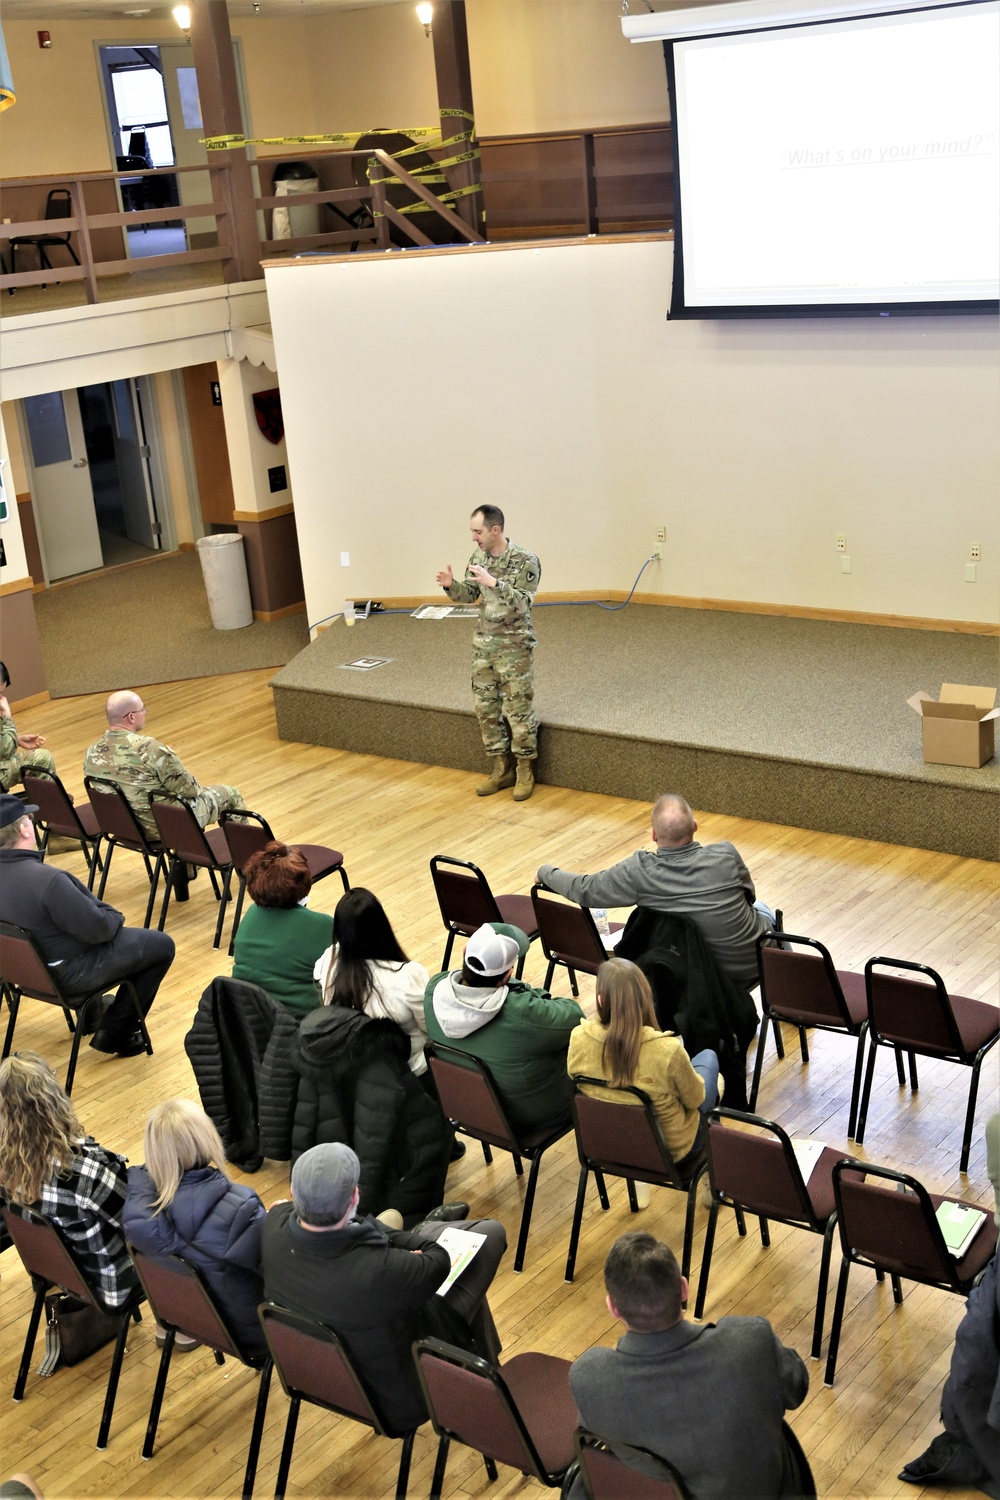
(970, 572)
(841, 543)
(658, 552)
(661, 533)
(974, 552)
(845, 564)
(345, 559)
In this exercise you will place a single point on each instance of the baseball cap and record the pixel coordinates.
(494, 948)
(323, 1179)
(12, 808)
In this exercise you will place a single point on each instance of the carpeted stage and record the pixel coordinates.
(785, 720)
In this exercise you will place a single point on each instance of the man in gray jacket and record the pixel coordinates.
(711, 1399)
(708, 885)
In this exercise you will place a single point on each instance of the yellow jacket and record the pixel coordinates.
(664, 1073)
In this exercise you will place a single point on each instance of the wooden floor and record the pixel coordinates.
(389, 817)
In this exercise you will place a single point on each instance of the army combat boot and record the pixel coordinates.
(525, 779)
(501, 776)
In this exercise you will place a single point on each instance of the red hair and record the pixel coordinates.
(278, 876)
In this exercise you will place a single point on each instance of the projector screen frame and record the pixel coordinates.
(679, 309)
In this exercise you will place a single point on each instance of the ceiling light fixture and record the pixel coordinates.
(425, 11)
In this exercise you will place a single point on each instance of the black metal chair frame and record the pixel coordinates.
(585, 1439)
(516, 1147)
(454, 928)
(475, 1365)
(850, 1256)
(152, 854)
(590, 1164)
(81, 1004)
(776, 1016)
(42, 242)
(262, 1363)
(209, 861)
(271, 1311)
(973, 1060)
(246, 816)
(806, 1220)
(42, 1285)
(90, 843)
(555, 958)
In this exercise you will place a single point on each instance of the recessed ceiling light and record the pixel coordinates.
(144, 12)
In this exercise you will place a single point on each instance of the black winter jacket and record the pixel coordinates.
(233, 1028)
(215, 1225)
(355, 1086)
(692, 994)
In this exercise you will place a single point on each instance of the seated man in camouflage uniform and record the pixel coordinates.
(501, 578)
(142, 766)
(18, 752)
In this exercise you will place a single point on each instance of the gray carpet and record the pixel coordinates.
(791, 721)
(149, 623)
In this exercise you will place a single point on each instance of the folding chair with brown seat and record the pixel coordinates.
(50, 1260)
(247, 833)
(58, 205)
(121, 829)
(620, 1139)
(804, 989)
(182, 1303)
(313, 1365)
(57, 813)
(569, 936)
(521, 1413)
(25, 974)
(469, 1099)
(917, 1017)
(185, 842)
(626, 1472)
(890, 1226)
(466, 902)
(755, 1170)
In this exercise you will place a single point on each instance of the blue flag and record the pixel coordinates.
(7, 95)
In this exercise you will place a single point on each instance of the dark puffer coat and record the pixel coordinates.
(214, 1224)
(355, 1086)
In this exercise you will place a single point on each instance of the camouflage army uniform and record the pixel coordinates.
(503, 673)
(141, 766)
(14, 760)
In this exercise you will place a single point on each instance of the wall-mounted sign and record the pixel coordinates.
(277, 478)
(267, 406)
(216, 393)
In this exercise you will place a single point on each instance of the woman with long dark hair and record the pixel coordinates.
(367, 970)
(623, 1045)
(280, 939)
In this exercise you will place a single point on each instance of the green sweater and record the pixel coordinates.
(277, 948)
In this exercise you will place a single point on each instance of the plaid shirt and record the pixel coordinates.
(86, 1202)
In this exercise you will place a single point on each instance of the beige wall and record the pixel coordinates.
(560, 64)
(592, 420)
(536, 65)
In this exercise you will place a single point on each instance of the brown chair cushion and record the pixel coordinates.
(539, 1384)
(853, 986)
(320, 859)
(518, 911)
(820, 1184)
(977, 1021)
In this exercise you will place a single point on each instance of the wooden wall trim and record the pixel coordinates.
(17, 586)
(30, 702)
(280, 614)
(263, 515)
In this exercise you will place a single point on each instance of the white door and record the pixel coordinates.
(133, 467)
(186, 130)
(61, 489)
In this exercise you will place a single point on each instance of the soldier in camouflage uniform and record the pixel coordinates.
(18, 752)
(501, 578)
(141, 766)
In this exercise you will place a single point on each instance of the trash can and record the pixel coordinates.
(291, 177)
(224, 569)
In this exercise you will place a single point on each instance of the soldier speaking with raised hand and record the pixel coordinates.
(501, 578)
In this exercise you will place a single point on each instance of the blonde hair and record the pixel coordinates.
(39, 1130)
(179, 1136)
(624, 1007)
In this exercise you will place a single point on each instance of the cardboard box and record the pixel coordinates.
(958, 726)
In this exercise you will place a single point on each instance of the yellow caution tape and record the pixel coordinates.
(423, 132)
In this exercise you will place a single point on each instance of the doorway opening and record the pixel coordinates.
(90, 461)
(139, 116)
